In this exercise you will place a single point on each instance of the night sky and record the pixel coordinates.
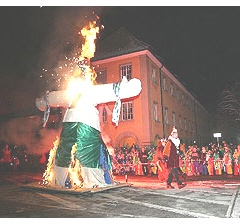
(200, 45)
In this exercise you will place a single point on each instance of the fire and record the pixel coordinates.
(77, 65)
(83, 76)
(48, 174)
(90, 34)
(75, 170)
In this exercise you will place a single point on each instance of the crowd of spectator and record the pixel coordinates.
(195, 160)
(15, 157)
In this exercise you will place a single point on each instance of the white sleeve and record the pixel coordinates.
(105, 93)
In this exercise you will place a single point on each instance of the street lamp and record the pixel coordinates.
(217, 135)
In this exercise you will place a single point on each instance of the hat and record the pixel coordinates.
(174, 130)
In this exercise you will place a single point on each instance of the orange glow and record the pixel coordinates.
(75, 170)
(90, 34)
(48, 174)
(84, 75)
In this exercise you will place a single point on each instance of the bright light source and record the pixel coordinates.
(217, 135)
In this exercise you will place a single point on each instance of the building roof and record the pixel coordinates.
(119, 43)
(124, 42)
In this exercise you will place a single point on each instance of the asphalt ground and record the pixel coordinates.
(218, 196)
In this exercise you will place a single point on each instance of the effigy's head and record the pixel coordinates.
(85, 71)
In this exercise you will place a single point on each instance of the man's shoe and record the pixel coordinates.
(182, 185)
(169, 186)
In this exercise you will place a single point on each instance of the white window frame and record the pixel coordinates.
(127, 110)
(154, 76)
(173, 118)
(171, 89)
(164, 83)
(178, 94)
(185, 123)
(155, 111)
(165, 115)
(126, 70)
(180, 121)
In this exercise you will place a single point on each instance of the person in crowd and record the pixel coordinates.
(195, 161)
(210, 162)
(15, 162)
(227, 160)
(203, 161)
(236, 159)
(6, 155)
(218, 166)
(151, 165)
(162, 170)
(137, 166)
(182, 162)
(171, 154)
(188, 164)
(144, 161)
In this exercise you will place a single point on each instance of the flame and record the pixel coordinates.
(48, 174)
(84, 75)
(79, 64)
(75, 170)
(89, 33)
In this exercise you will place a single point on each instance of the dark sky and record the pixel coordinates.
(200, 45)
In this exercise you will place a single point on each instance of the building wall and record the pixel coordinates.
(130, 130)
(146, 127)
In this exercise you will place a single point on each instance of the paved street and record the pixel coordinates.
(141, 197)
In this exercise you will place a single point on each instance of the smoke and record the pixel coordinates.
(64, 42)
(27, 131)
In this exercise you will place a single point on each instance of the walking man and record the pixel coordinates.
(171, 155)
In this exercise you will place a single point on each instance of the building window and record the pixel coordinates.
(104, 115)
(183, 99)
(185, 123)
(173, 119)
(127, 111)
(164, 84)
(126, 70)
(180, 121)
(193, 126)
(171, 89)
(165, 115)
(178, 95)
(154, 78)
(101, 76)
(155, 111)
(187, 101)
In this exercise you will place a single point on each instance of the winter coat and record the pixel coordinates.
(171, 153)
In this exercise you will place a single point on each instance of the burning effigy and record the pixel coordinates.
(80, 158)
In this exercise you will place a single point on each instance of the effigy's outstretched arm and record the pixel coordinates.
(53, 99)
(111, 92)
(98, 94)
